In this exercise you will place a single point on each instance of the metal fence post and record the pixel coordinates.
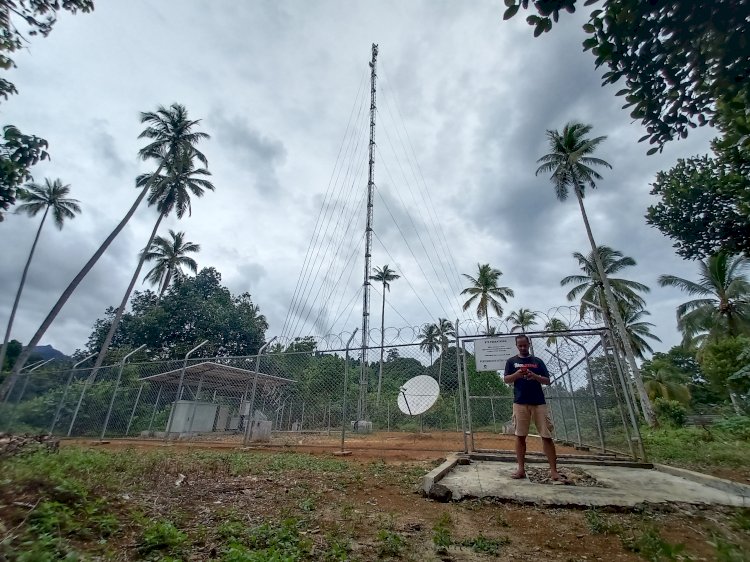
(132, 414)
(593, 390)
(468, 397)
(12, 417)
(630, 407)
(156, 408)
(460, 389)
(178, 396)
(455, 412)
(114, 392)
(346, 388)
(195, 406)
(65, 394)
(249, 424)
(573, 400)
(31, 367)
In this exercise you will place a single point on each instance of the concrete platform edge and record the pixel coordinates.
(591, 460)
(436, 474)
(722, 484)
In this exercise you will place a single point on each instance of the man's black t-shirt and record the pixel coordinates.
(527, 391)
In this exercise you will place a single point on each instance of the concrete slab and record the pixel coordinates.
(624, 486)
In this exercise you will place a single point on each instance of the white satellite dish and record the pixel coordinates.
(418, 395)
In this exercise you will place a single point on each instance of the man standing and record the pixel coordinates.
(528, 374)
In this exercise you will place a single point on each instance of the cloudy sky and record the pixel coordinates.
(281, 87)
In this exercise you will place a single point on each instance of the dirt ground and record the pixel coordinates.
(389, 446)
(387, 498)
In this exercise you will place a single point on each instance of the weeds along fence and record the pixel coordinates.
(330, 396)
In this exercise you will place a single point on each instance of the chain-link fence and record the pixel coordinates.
(331, 398)
(587, 400)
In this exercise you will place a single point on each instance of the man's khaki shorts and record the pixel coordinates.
(524, 413)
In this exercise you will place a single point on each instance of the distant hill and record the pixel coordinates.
(48, 352)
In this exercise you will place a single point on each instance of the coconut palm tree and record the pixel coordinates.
(638, 330)
(445, 330)
(522, 319)
(170, 132)
(485, 292)
(589, 286)
(554, 325)
(430, 339)
(383, 275)
(168, 191)
(571, 165)
(52, 196)
(667, 385)
(723, 306)
(170, 256)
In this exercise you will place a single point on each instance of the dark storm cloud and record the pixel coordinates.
(254, 151)
(105, 148)
(248, 276)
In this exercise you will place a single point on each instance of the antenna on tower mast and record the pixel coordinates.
(362, 403)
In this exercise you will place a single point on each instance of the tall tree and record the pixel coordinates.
(485, 292)
(171, 190)
(170, 256)
(170, 133)
(570, 163)
(704, 204)
(522, 319)
(192, 310)
(445, 330)
(723, 304)
(19, 152)
(52, 196)
(589, 286)
(638, 329)
(683, 63)
(429, 339)
(667, 385)
(555, 325)
(383, 275)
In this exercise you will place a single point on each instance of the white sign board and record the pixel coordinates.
(492, 353)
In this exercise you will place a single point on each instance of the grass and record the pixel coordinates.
(600, 524)
(484, 545)
(76, 499)
(441, 534)
(650, 545)
(162, 536)
(99, 504)
(390, 544)
(696, 447)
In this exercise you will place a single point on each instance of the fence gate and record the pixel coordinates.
(588, 398)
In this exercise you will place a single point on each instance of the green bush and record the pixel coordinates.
(161, 535)
(736, 426)
(669, 412)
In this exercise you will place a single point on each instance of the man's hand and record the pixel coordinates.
(524, 373)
